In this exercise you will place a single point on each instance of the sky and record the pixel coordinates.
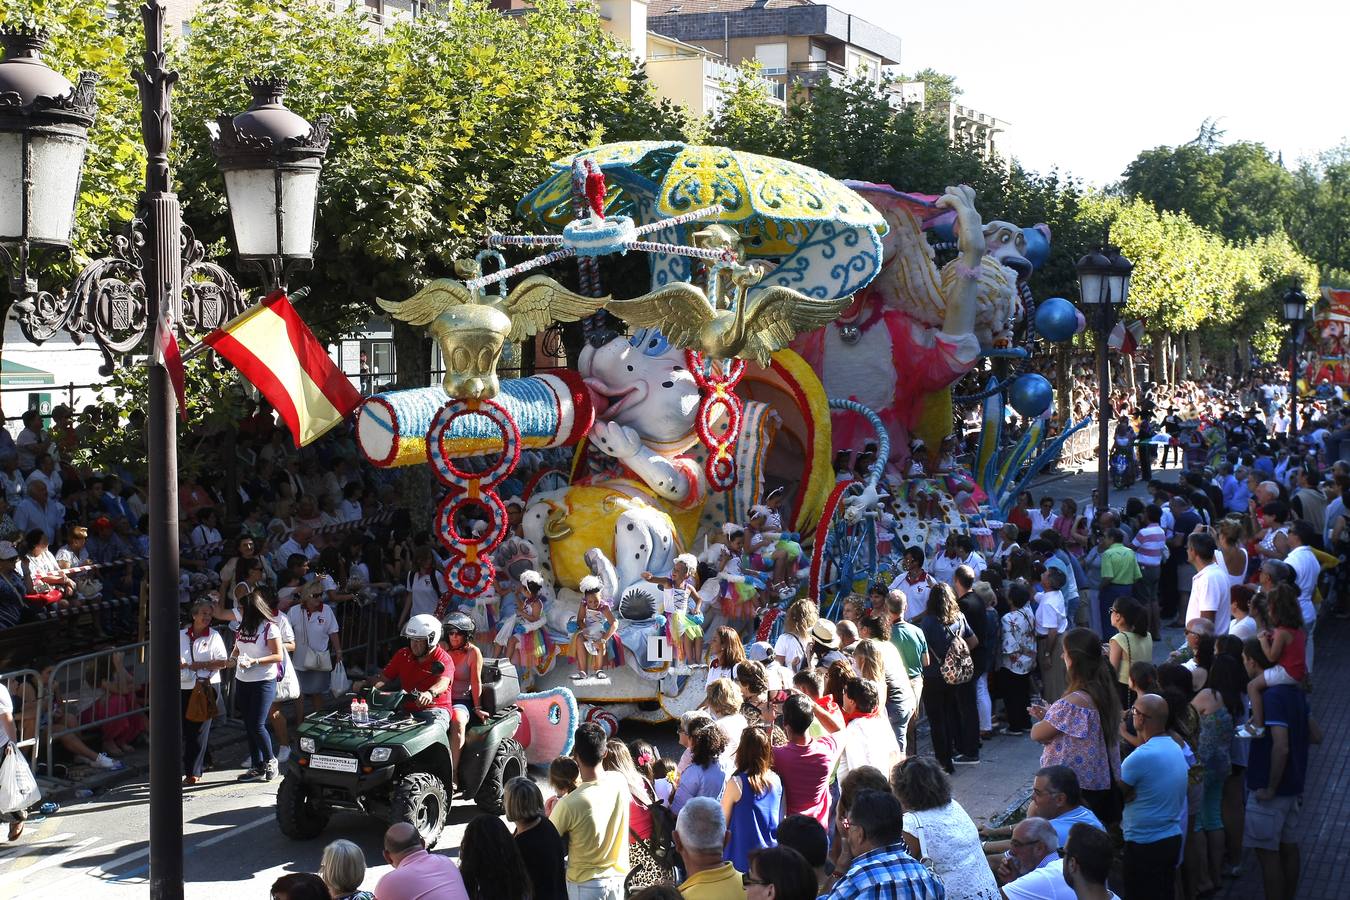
(1086, 86)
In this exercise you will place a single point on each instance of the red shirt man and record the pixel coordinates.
(416, 674)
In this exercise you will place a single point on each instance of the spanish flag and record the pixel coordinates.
(274, 349)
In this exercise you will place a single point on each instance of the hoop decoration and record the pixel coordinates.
(438, 454)
(717, 380)
(470, 572)
(452, 504)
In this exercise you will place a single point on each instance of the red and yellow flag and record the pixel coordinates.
(274, 349)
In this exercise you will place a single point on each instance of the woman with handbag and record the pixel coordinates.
(201, 656)
(258, 650)
(318, 648)
(939, 832)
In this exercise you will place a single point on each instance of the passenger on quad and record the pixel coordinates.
(466, 687)
(423, 669)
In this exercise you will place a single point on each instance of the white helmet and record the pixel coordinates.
(424, 626)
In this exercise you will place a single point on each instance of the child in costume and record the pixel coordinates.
(684, 622)
(593, 646)
(523, 634)
(777, 552)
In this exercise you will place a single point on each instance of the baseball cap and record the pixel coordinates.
(759, 651)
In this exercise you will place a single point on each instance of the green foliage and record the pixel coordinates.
(749, 119)
(215, 404)
(1322, 220)
(939, 87)
(101, 36)
(442, 125)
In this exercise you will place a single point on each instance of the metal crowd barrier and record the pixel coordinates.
(79, 681)
(27, 727)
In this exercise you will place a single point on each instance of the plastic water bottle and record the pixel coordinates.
(356, 711)
(364, 712)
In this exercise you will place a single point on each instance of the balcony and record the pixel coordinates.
(811, 72)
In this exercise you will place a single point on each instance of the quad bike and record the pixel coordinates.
(397, 768)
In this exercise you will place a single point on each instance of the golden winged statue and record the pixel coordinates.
(472, 327)
(750, 328)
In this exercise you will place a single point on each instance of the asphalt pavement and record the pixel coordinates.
(97, 846)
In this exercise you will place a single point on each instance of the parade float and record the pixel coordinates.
(1331, 331)
(690, 420)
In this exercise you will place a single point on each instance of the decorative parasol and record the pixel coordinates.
(825, 238)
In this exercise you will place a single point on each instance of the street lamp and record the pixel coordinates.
(1103, 283)
(157, 270)
(44, 130)
(1295, 304)
(271, 160)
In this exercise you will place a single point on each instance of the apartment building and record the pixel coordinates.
(797, 42)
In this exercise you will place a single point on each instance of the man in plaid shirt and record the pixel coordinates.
(882, 868)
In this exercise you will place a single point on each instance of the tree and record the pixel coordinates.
(748, 119)
(939, 87)
(1321, 225)
(443, 124)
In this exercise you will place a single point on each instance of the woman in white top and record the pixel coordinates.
(257, 652)
(42, 570)
(317, 640)
(791, 648)
(725, 653)
(1234, 555)
(201, 655)
(724, 701)
(425, 586)
(937, 829)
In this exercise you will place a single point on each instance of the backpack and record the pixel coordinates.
(957, 666)
(662, 842)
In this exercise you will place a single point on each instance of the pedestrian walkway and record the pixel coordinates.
(1325, 825)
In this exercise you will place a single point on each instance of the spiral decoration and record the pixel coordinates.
(717, 380)
(470, 571)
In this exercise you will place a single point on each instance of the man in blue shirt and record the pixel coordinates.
(1276, 768)
(1154, 777)
(881, 867)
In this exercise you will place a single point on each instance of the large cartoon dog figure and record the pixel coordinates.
(643, 501)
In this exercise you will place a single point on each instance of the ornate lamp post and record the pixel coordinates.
(1295, 310)
(1103, 283)
(157, 271)
(44, 130)
(271, 159)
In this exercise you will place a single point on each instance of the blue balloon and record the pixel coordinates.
(1056, 319)
(1030, 395)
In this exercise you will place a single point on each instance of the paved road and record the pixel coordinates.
(97, 847)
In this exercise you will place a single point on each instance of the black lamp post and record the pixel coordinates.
(1103, 283)
(1295, 310)
(156, 267)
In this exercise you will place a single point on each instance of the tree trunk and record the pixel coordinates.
(412, 356)
(1197, 361)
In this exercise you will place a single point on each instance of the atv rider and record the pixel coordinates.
(467, 681)
(424, 670)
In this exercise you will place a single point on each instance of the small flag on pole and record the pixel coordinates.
(1127, 337)
(166, 349)
(274, 349)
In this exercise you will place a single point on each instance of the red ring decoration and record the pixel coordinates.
(470, 578)
(717, 389)
(450, 506)
(440, 460)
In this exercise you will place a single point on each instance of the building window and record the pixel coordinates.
(860, 65)
(772, 57)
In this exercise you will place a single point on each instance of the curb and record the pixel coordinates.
(66, 792)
